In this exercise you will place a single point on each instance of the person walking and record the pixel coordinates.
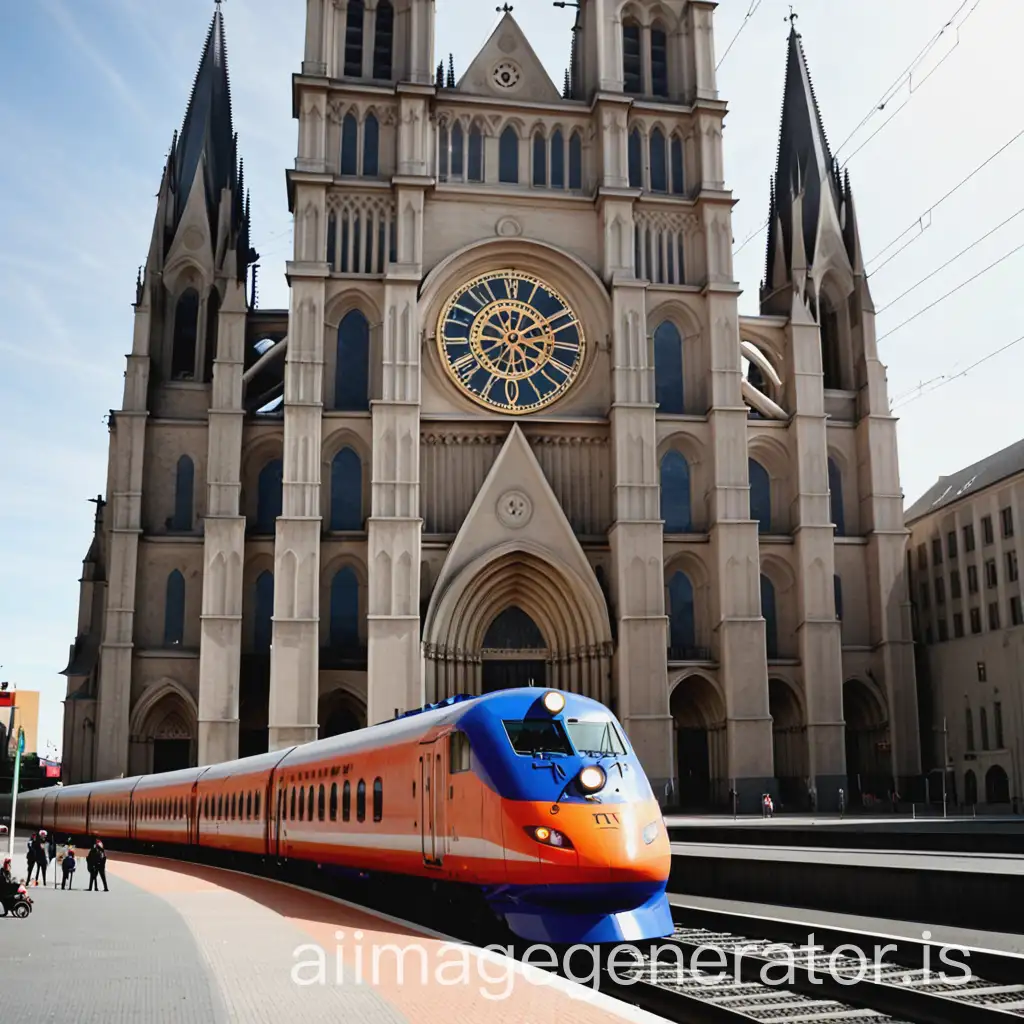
(96, 862)
(30, 858)
(68, 868)
(41, 859)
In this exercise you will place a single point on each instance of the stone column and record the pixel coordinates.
(220, 646)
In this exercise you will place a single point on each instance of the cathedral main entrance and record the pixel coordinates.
(514, 653)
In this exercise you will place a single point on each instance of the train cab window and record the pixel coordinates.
(321, 800)
(256, 807)
(334, 801)
(534, 736)
(596, 738)
(378, 799)
(292, 815)
(361, 801)
(346, 801)
(458, 751)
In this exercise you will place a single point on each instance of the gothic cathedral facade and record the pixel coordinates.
(512, 429)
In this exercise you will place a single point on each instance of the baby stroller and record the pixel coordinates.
(15, 901)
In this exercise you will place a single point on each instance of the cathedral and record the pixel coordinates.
(512, 429)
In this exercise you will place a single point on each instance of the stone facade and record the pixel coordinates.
(309, 525)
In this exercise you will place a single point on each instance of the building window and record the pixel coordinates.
(344, 609)
(951, 544)
(540, 160)
(659, 62)
(760, 496)
(940, 591)
(835, 489)
(969, 728)
(346, 491)
(174, 610)
(983, 718)
(975, 620)
(997, 721)
(972, 579)
(557, 159)
(954, 584)
(987, 536)
(576, 161)
(991, 575)
(354, 40)
(181, 522)
(668, 368)
(1011, 566)
(675, 492)
(1015, 612)
(508, 156)
(352, 372)
(383, 40)
(969, 537)
(943, 631)
(476, 154)
(936, 551)
(837, 587)
(263, 619)
(378, 799)
(982, 673)
(186, 329)
(371, 146)
(993, 615)
(958, 625)
(268, 496)
(632, 66)
(678, 180)
(681, 623)
(829, 332)
(350, 145)
(1006, 518)
(922, 556)
(636, 159)
(925, 603)
(659, 161)
(771, 628)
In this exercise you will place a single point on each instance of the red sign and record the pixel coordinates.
(6, 699)
(53, 771)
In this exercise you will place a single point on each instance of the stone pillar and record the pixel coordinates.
(819, 631)
(220, 646)
(395, 658)
(124, 514)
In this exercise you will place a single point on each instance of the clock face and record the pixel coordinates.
(510, 342)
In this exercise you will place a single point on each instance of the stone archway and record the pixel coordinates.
(164, 730)
(698, 717)
(997, 786)
(868, 750)
(789, 743)
(340, 712)
(514, 652)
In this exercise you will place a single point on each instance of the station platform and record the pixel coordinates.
(188, 943)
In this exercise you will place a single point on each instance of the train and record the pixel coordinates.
(532, 798)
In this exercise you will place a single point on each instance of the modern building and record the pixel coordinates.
(25, 708)
(968, 619)
(512, 427)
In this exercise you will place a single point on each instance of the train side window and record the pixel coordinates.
(234, 807)
(361, 801)
(378, 799)
(459, 752)
(321, 798)
(248, 807)
(256, 807)
(220, 806)
(309, 804)
(292, 815)
(302, 805)
(346, 801)
(334, 801)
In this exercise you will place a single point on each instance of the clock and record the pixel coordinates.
(510, 342)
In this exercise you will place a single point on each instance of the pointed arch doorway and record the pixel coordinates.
(514, 652)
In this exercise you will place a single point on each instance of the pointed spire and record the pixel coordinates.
(566, 87)
(440, 74)
(451, 72)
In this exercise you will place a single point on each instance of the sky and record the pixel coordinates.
(90, 94)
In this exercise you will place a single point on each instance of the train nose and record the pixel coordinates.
(626, 844)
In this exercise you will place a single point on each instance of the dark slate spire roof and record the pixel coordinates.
(207, 130)
(804, 162)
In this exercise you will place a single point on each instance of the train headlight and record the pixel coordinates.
(549, 836)
(592, 778)
(651, 833)
(554, 702)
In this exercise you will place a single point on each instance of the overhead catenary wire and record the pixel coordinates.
(754, 4)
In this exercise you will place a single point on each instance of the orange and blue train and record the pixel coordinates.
(533, 798)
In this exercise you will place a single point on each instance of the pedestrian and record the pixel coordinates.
(68, 868)
(30, 857)
(96, 862)
(41, 858)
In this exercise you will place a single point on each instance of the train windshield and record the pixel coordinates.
(538, 736)
(596, 739)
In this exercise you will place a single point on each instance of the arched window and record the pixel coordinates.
(186, 328)
(659, 168)
(332, 240)
(264, 612)
(681, 623)
(346, 491)
(212, 324)
(371, 146)
(771, 627)
(557, 159)
(659, 62)
(576, 161)
(344, 609)
(675, 492)
(174, 610)
(378, 799)
(668, 368)
(632, 66)
(540, 159)
(334, 801)
(321, 803)
(835, 492)
(760, 496)
(476, 155)
(636, 159)
(383, 40)
(829, 328)
(268, 496)
(837, 586)
(457, 142)
(361, 801)
(184, 484)
(354, 39)
(508, 156)
(352, 372)
(677, 166)
(349, 145)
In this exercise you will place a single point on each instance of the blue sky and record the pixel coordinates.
(90, 94)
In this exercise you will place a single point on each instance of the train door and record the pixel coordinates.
(432, 800)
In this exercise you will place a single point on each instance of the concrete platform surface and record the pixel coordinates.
(185, 943)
